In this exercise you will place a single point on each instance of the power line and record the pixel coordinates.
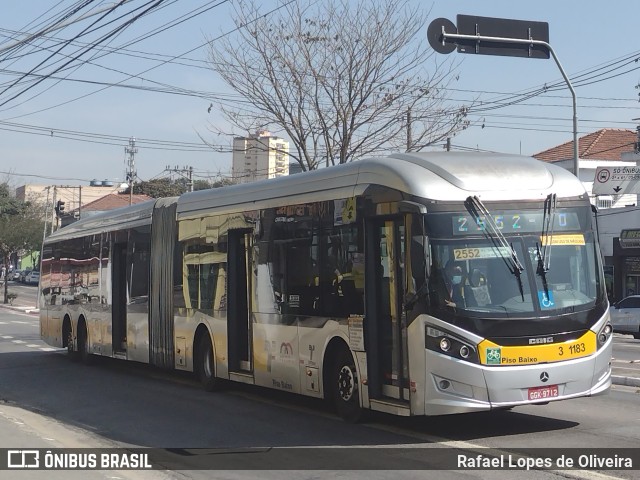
(545, 90)
(150, 5)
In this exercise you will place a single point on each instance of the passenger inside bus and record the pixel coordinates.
(479, 287)
(334, 255)
(449, 285)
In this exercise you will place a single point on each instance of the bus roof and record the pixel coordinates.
(117, 219)
(443, 176)
(440, 176)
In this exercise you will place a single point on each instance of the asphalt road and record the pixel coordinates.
(626, 349)
(45, 400)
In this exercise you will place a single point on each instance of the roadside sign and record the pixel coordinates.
(505, 28)
(435, 37)
(617, 180)
(630, 238)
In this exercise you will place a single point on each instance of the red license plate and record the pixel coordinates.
(541, 393)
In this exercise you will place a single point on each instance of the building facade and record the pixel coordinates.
(259, 156)
(618, 216)
(608, 147)
(74, 197)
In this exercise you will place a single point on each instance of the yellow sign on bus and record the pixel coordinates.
(493, 354)
(566, 239)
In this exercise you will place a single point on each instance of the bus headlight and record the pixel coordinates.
(465, 351)
(446, 343)
(604, 334)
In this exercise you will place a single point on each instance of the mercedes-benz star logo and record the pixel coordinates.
(544, 376)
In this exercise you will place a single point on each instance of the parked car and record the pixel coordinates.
(23, 275)
(15, 275)
(625, 316)
(33, 277)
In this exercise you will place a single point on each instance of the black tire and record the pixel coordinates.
(83, 344)
(205, 367)
(71, 352)
(345, 384)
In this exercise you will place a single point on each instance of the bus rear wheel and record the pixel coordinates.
(83, 344)
(71, 352)
(346, 394)
(205, 368)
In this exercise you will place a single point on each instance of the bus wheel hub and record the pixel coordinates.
(346, 383)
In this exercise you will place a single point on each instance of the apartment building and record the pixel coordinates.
(259, 156)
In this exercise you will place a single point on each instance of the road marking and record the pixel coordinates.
(20, 322)
(18, 341)
(48, 349)
(463, 445)
(434, 441)
(7, 337)
(3, 323)
(33, 345)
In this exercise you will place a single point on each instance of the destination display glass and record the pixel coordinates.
(514, 221)
(515, 264)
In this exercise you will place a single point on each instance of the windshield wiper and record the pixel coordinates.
(544, 256)
(477, 209)
(548, 221)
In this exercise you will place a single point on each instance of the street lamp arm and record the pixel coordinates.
(530, 41)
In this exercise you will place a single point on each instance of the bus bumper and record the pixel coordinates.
(455, 386)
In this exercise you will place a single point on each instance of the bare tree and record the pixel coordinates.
(340, 79)
(21, 227)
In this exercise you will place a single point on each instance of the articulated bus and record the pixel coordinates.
(335, 284)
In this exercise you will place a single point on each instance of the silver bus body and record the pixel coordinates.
(246, 267)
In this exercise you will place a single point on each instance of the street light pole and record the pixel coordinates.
(532, 42)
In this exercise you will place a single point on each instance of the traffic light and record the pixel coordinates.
(59, 207)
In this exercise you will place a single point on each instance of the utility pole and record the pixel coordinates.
(131, 150)
(185, 172)
(46, 214)
(54, 218)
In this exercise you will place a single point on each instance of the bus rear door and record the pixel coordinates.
(238, 318)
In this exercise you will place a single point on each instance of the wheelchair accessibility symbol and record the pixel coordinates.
(546, 299)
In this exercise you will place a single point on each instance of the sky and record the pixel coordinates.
(151, 82)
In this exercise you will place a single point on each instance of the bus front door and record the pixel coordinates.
(238, 319)
(385, 320)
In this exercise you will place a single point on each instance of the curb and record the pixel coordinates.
(628, 381)
(24, 309)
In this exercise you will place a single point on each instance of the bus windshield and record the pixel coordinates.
(475, 275)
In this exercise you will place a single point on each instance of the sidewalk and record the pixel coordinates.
(20, 306)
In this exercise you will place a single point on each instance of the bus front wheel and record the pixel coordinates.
(346, 393)
(205, 367)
